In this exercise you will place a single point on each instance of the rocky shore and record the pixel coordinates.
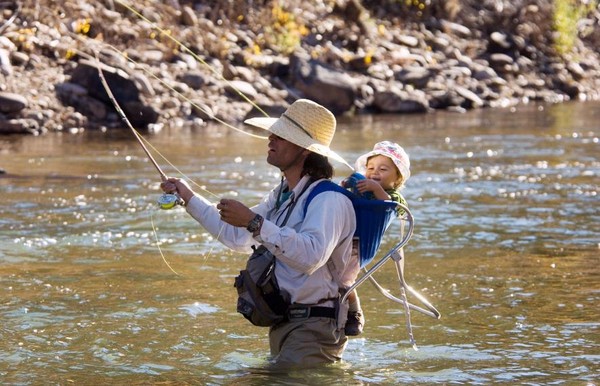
(184, 63)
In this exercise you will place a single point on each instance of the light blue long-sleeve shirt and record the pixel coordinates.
(302, 246)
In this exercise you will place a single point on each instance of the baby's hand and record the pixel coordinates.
(372, 189)
(364, 186)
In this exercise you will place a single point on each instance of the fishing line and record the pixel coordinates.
(112, 98)
(199, 59)
(16, 13)
(149, 144)
(158, 245)
(186, 49)
(164, 83)
(166, 201)
(146, 141)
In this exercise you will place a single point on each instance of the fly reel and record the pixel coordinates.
(168, 201)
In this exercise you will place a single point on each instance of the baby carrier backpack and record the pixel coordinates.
(373, 218)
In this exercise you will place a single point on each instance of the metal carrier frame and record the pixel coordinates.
(397, 255)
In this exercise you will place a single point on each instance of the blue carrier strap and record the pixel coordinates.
(372, 218)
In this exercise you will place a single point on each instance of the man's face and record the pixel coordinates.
(284, 154)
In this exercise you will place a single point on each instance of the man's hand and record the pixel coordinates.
(235, 213)
(177, 185)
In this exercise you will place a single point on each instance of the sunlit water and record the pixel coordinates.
(506, 246)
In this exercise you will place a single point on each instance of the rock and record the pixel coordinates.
(360, 63)
(324, 85)
(474, 100)
(403, 56)
(188, 17)
(455, 28)
(235, 87)
(19, 58)
(91, 107)
(407, 40)
(484, 73)
(143, 83)
(70, 91)
(12, 103)
(503, 63)
(499, 42)
(152, 56)
(202, 110)
(86, 75)
(576, 70)
(5, 64)
(94, 105)
(570, 87)
(454, 57)
(443, 99)
(193, 79)
(400, 103)
(416, 76)
(19, 126)
(139, 114)
(7, 44)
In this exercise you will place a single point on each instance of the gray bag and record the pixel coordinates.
(259, 297)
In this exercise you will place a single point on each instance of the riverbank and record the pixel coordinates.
(183, 63)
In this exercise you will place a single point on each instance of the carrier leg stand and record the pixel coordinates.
(397, 257)
(397, 254)
(385, 258)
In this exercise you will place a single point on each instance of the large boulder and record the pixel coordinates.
(11, 103)
(329, 87)
(122, 87)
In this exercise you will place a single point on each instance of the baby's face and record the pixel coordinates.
(381, 169)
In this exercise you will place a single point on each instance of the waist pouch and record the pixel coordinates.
(259, 297)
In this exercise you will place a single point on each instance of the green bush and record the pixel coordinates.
(566, 18)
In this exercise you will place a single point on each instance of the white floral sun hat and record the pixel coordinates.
(306, 124)
(391, 150)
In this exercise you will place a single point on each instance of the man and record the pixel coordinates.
(312, 249)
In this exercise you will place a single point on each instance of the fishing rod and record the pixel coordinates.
(166, 200)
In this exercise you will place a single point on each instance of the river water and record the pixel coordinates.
(506, 246)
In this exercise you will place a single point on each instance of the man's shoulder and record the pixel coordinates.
(327, 187)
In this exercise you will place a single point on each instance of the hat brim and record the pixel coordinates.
(278, 127)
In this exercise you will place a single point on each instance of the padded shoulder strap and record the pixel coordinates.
(372, 218)
(325, 186)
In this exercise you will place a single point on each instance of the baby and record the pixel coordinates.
(386, 169)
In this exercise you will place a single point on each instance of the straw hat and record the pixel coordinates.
(306, 124)
(391, 150)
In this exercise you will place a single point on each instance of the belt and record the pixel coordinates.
(295, 313)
